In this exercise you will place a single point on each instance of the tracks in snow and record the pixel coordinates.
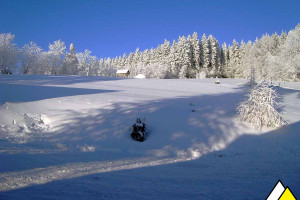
(16, 180)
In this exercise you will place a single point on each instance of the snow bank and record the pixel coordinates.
(140, 76)
(22, 127)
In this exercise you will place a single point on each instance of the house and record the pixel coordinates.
(124, 73)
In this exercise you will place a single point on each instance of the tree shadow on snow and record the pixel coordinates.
(53, 80)
(26, 93)
(173, 129)
(247, 169)
(172, 124)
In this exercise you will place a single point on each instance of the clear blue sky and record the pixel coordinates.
(111, 27)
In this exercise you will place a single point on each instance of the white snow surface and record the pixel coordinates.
(122, 71)
(140, 76)
(68, 137)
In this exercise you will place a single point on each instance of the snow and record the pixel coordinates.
(122, 71)
(68, 137)
(140, 76)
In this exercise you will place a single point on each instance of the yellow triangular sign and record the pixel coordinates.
(287, 195)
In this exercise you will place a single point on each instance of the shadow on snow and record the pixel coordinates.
(247, 169)
(53, 80)
(176, 133)
(15, 93)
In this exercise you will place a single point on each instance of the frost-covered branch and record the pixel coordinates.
(259, 109)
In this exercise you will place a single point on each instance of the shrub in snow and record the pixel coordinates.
(201, 75)
(258, 110)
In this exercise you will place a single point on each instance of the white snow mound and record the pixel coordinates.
(140, 76)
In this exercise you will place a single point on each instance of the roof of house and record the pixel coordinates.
(122, 71)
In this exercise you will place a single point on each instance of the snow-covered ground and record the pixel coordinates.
(68, 137)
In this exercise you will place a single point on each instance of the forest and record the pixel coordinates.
(271, 57)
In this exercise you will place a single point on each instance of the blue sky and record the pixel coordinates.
(112, 27)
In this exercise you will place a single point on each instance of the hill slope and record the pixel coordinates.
(59, 134)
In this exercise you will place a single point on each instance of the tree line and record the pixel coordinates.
(275, 56)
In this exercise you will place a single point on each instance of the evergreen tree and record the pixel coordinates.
(205, 55)
(70, 65)
(214, 56)
(196, 52)
(233, 68)
(224, 59)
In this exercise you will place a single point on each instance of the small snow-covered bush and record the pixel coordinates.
(258, 110)
(201, 75)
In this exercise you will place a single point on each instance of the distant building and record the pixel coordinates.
(124, 73)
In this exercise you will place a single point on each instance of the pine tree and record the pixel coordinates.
(233, 68)
(205, 55)
(214, 56)
(123, 61)
(196, 52)
(174, 59)
(70, 65)
(224, 58)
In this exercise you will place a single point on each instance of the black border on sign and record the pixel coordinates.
(287, 187)
(274, 188)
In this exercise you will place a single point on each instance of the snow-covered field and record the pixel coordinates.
(68, 137)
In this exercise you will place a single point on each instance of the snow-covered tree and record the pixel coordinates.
(185, 57)
(289, 57)
(246, 62)
(31, 59)
(70, 65)
(123, 61)
(259, 109)
(234, 67)
(224, 58)
(196, 51)
(56, 55)
(87, 63)
(204, 55)
(174, 60)
(8, 53)
(272, 57)
(214, 56)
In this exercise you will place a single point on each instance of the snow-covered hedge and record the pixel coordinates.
(258, 110)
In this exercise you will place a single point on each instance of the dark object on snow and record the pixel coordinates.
(217, 82)
(5, 71)
(138, 130)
